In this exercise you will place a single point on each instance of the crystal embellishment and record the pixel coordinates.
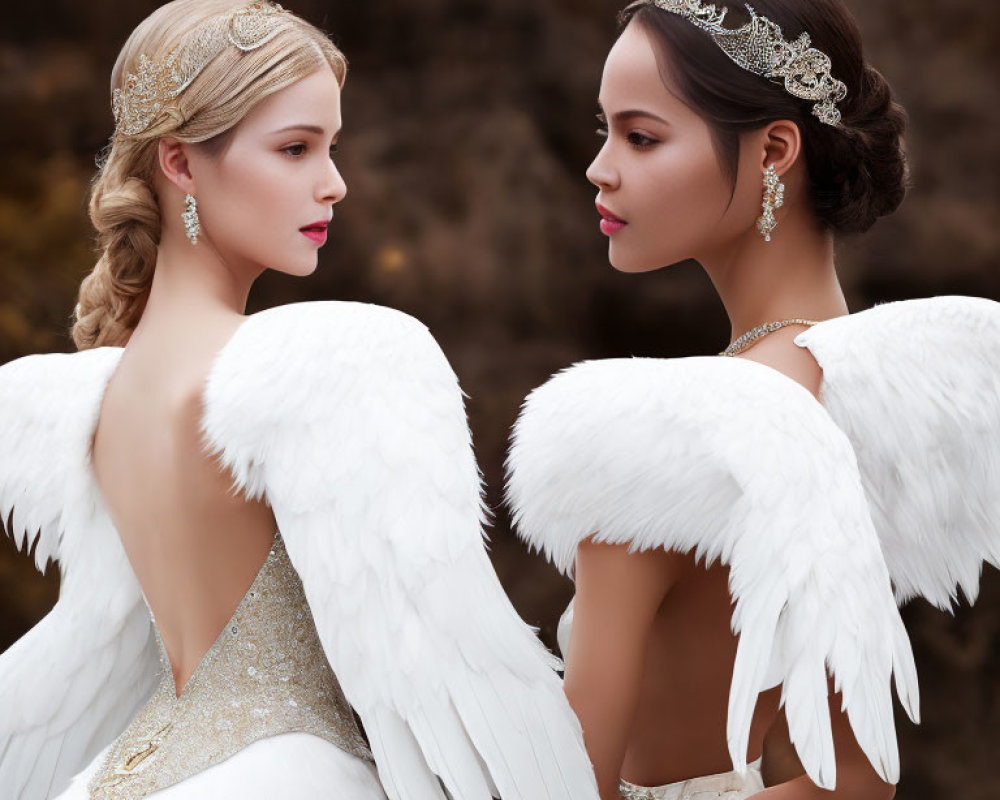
(752, 335)
(774, 198)
(264, 675)
(761, 48)
(148, 91)
(192, 227)
(632, 792)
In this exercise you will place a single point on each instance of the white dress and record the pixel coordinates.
(731, 785)
(348, 419)
(288, 766)
(828, 514)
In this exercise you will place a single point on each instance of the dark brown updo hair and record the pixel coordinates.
(858, 172)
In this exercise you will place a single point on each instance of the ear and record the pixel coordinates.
(173, 160)
(781, 144)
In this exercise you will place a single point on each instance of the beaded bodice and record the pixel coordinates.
(265, 674)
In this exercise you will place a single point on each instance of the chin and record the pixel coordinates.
(298, 270)
(307, 271)
(625, 261)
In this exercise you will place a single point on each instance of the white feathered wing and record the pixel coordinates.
(733, 461)
(348, 418)
(915, 385)
(72, 683)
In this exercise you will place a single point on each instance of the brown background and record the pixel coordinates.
(468, 126)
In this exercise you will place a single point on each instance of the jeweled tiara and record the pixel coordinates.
(760, 47)
(144, 93)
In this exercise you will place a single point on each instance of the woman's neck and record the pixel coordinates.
(197, 278)
(192, 291)
(791, 276)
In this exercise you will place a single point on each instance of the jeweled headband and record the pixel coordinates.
(145, 93)
(760, 47)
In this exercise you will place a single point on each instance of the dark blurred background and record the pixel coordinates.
(468, 127)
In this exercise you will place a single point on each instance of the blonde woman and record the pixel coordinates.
(824, 464)
(260, 521)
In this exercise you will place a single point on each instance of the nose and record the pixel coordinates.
(333, 189)
(601, 172)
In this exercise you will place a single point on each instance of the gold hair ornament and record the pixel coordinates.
(147, 91)
(760, 47)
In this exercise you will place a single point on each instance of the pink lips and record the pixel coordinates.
(610, 224)
(316, 231)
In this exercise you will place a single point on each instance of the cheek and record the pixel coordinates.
(260, 190)
(679, 202)
(256, 216)
(686, 190)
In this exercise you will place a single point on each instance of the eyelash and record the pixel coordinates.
(333, 149)
(640, 141)
(635, 139)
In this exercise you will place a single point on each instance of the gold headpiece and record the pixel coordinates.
(760, 47)
(144, 94)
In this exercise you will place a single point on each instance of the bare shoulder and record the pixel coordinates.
(630, 575)
(615, 557)
(779, 351)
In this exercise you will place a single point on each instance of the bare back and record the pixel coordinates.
(652, 652)
(679, 729)
(691, 649)
(194, 546)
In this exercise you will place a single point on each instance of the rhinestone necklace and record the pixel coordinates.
(752, 335)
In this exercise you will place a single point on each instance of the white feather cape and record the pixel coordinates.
(814, 506)
(915, 385)
(349, 420)
(730, 460)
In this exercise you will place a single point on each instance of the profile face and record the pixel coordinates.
(664, 195)
(276, 177)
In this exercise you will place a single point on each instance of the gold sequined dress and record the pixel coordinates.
(262, 714)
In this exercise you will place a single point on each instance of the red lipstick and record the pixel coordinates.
(316, 230)
(610, 224)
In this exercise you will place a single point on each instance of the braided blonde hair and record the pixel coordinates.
(123, 205)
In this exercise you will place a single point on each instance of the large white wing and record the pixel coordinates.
(72, 683)
(348, 418)
(733, 461)
(915, 385)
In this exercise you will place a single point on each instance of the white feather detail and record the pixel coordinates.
(734, 461)
(72, 683)
(915, 385)
(349, 420)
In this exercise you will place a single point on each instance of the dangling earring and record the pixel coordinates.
(190, 217)
(774, 197)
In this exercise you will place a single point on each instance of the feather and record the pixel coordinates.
(732, 461)
(349, 420)
(915, 385)
(72, 683)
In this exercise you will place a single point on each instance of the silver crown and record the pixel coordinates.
(760, 47)
(147, 91)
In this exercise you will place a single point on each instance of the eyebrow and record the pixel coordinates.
(632, 113)
(303, 127)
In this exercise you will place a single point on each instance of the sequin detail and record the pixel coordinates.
(264, 675)
(721, 786)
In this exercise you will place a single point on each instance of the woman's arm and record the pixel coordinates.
(856, 779)
(617, 596)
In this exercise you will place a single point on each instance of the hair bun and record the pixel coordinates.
(871, 175)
